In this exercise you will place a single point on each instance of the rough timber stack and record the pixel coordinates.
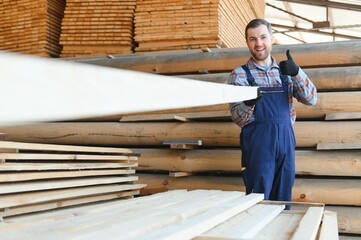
(178, 25)
(97, 28)
(31, 27)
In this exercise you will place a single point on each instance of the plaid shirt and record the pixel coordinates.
(299, 86)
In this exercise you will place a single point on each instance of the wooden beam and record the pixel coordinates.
(212, 134)
(116, 91)
(329, 191)
(325, 78)
(343, 116)
(308, 162)
(225, 60)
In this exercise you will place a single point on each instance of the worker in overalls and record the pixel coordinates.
(267, 139)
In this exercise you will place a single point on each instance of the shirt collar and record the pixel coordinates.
(253, 65)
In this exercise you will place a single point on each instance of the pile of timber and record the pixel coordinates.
(179, 214)
(178, 25)
(31, 27)
(37, 177)
(199, 148)
(97, 27)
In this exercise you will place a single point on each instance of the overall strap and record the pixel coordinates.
(250, 78)
(284, 78)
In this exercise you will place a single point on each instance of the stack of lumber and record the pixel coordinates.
(38, 177)
(97, 27)
(200, 214)
(328, 135)
(31, 27)
(178, 25)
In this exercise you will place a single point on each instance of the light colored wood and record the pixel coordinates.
(343, 116)
(203, 222)
(27, 176)
(329, 228)
(169, 215)
(335, 146)
(348, 218)
(308, 227)
(328, 191)
(117, 86)
(225, 60)
(56, 147)
(246, 224)
(327, 102)
(24, 199)
(180, 174)
(64, 157)
(52, 205)
(68, 183)
(325, 78)
(308, 162)
(212, 134)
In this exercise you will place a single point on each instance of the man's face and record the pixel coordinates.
(259, 42)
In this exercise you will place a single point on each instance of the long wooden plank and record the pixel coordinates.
(225, 60)
(62, 157)
(328, 191)
(117, 86)
(52, 205)
(326, 78)
(20, 199)
(53, 184)
(212, 134)
(308, 162)
(57, 147)
(26, 176)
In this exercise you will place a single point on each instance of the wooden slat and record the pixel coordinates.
(51, 205)
(329, 228)
(55, 147)
(27, 176)
(308, 227)
(343, 116)
(64, 157)
(20, 199)
(6, 188)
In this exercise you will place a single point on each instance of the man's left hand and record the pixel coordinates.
(289, 67)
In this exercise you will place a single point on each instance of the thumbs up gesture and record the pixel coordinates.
(289, 67)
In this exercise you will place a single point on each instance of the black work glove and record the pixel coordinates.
(289, 67)
(254, 101)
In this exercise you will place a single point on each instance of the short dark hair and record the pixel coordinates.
(256, 23)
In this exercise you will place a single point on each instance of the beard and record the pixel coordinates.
(260, 56)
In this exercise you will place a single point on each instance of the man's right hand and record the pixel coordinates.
(254, 101)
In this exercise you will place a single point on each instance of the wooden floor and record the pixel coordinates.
(178, 214)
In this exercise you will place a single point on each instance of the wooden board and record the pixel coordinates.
(118, 91)
(199, 214)
(37, 177)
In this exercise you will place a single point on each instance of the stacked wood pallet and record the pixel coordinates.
(179, 214)
(38, 177)
(31, 27)
(179, 25)
(97, 27)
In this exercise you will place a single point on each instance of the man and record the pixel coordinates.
(267, 138)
